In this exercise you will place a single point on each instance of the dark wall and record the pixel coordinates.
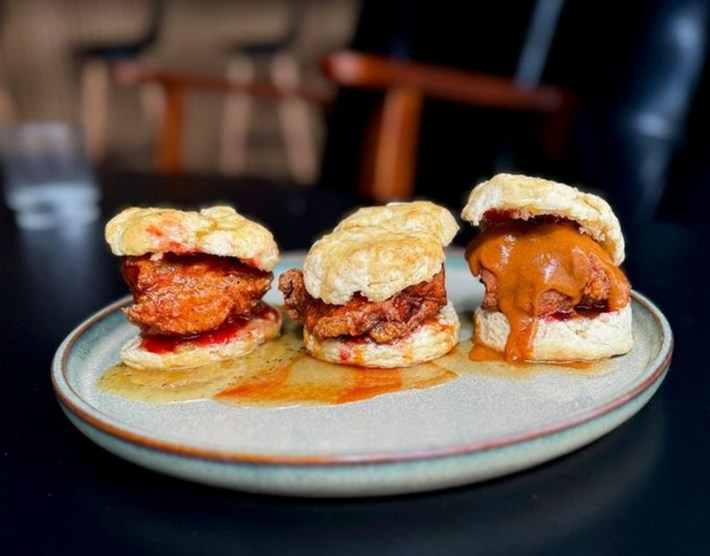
(610, 53)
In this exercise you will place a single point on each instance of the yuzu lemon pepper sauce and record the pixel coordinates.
(530, 259)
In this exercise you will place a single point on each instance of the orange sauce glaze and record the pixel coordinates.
(529, 259)
(303, 379)
(346, 383)
(481, 353)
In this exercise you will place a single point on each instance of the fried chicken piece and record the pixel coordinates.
(190, 294)
(382, 322)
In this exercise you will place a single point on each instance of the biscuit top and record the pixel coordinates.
(379, 251)
(216, 231)
(524, 197)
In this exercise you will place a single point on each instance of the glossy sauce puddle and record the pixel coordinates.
(280, 373)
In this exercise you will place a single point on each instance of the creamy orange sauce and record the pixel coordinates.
(530, 259)
(482, 353)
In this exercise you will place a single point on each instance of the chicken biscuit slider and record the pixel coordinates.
(197, 280)
(548, 256)
(372, 293)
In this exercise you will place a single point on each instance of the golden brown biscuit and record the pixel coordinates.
(372, 293)
(554, 291)
(523, 197)
(578, 339)
(379, 251)
(429, 341)
(216, 231)
(167, 289)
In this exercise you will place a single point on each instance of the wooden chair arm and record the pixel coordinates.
(370, 71)
(390, 149)
(131, 73)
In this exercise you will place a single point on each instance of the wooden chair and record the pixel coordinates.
(390, 151)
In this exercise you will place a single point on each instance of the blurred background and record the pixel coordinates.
(385, 99)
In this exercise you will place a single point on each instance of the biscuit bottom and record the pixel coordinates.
(256, 331)
(434, 338)
(574, 339)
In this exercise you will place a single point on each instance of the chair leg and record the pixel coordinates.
(389, 165)
(169, 147)
(7, 108)
(94, 106)
(235, 125)
(298, 136)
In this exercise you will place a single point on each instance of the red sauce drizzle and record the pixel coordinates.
(225, 333)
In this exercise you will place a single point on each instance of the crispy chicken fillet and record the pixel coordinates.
(382, 322)
(189, 294)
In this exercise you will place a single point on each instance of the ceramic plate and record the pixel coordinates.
(481, 425)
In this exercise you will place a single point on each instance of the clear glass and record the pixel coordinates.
(48, 179)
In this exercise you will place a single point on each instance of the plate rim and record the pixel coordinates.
(73, 402)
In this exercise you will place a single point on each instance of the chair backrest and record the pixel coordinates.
(390, 147)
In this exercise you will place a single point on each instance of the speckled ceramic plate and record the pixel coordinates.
(482, 425)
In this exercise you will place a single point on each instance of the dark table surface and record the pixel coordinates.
(643, 488)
